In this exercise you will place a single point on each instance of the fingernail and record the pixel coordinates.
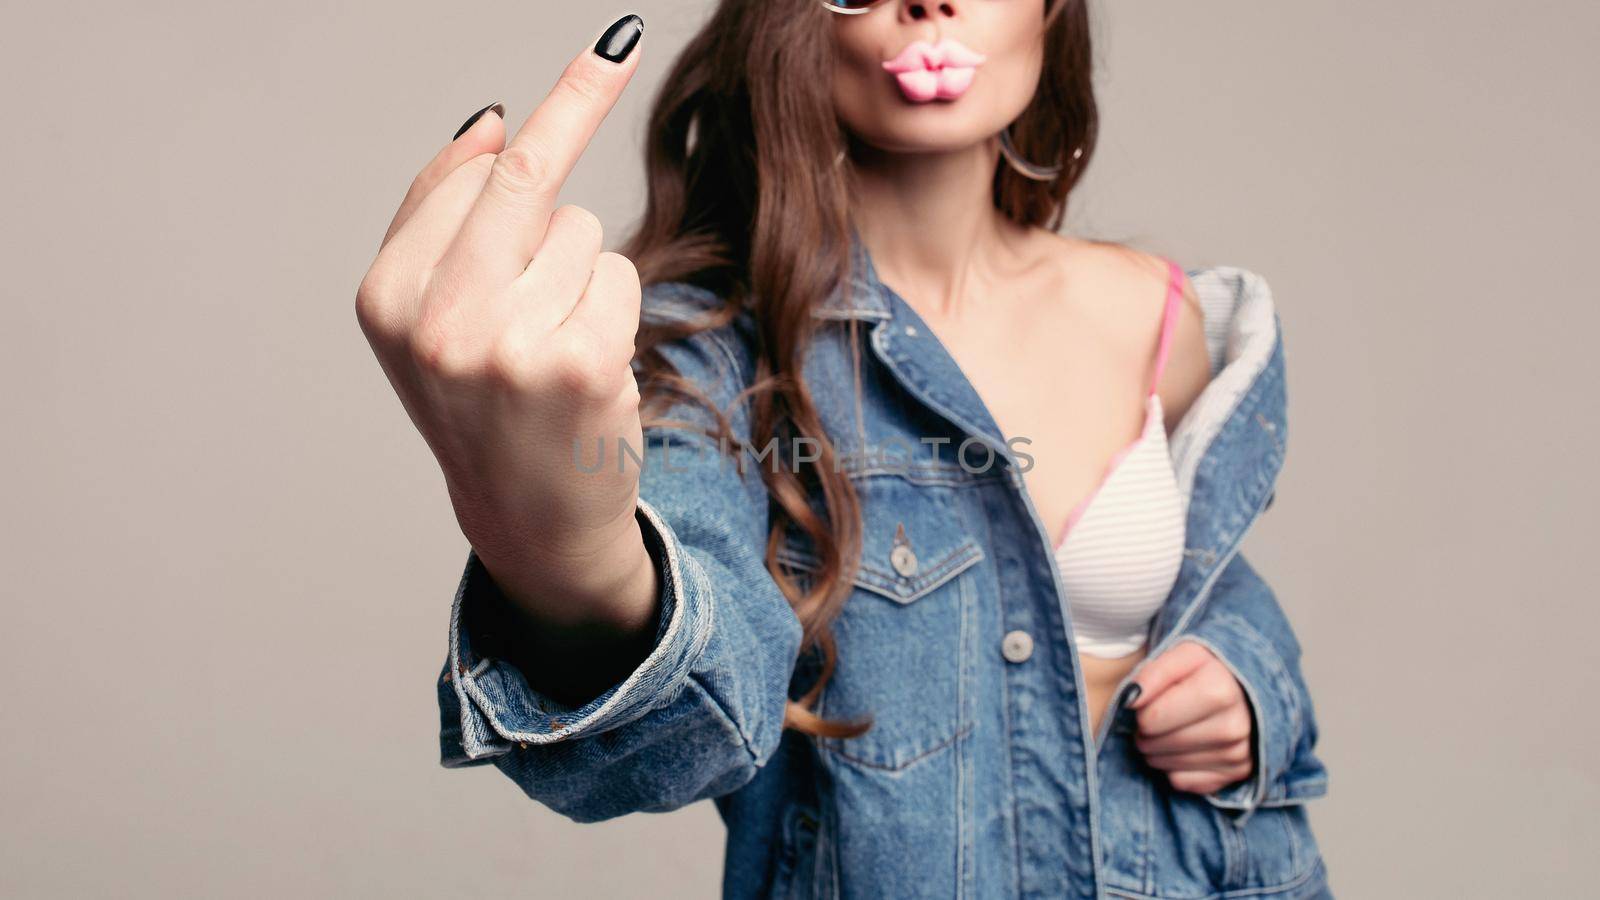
(498, 109)
(1131, 694)
(620, 39)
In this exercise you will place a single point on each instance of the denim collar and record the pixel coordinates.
(863, 298)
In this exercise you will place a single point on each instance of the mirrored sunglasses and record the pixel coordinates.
(849, 7)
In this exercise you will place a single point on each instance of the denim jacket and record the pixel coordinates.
(979, 776)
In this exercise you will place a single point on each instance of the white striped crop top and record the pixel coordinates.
(1123, 543)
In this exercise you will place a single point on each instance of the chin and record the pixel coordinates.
(921, 129)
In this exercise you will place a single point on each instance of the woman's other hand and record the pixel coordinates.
(508, 336)
(1194, 721)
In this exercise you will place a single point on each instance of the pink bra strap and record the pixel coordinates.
(1169, 316)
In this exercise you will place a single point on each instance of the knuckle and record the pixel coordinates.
(580, 220)
(631, 397)
(1218, 692)
(622, 394)
(1238, 723)
(582, 85)
(583, 367)
(617, 262)
(524, 166)
(376, 305)
(622, 270)
(576, 366)
(507, 362)
(435, 350)
(372, 298)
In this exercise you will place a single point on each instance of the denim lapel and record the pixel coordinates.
(1233, 482)
(907, 347)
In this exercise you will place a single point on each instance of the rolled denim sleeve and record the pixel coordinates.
(704, 709)
(494, 706)
(1244, 626)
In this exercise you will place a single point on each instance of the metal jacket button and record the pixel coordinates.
(904, 560)
(1016, 646)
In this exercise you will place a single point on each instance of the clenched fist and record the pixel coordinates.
(508, 334)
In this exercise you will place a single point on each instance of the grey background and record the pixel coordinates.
(228, 558)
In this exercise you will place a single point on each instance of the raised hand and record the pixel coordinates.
(508, 334)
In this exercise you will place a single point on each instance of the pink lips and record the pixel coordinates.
(941, 71)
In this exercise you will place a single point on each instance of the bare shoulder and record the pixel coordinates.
(1188, 368)
(1124, 281)
(1130, 286)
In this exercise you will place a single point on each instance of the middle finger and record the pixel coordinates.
(508, 222)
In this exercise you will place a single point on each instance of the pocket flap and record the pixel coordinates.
(898, 568)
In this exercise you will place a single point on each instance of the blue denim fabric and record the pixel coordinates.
(979, 777)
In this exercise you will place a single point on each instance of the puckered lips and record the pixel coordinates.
(941, 71)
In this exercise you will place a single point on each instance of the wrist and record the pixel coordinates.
(610, 586)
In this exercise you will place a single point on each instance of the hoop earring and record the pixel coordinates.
(1022, 166)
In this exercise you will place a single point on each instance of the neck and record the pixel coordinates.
(929, 221)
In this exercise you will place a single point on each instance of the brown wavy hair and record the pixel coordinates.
(744, 199)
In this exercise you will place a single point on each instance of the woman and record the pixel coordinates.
(899, 524)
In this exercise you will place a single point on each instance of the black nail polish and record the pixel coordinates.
(620, 39)
(499, 109)
(1132, 694)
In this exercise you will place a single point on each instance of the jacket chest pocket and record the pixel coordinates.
(905, 634)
